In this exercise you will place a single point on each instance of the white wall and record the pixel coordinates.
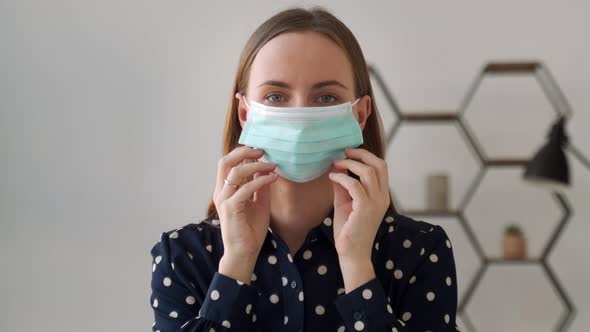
(110, 121)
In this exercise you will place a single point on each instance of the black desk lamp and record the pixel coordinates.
(549, 166)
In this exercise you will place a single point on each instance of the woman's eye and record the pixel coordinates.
(326, 99)
(274, 98)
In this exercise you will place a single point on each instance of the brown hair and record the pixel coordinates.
(299, 20)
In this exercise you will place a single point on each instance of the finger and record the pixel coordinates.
(262, 195)
(372, 160)
(353, 186)
(246, 191)
(367, 174)
(341, 195)
(233, 158)
(238, 173)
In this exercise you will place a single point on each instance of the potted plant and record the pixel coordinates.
(514, 243)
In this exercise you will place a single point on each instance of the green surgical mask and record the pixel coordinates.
(302, 141)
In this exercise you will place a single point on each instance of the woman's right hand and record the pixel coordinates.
(244, 221)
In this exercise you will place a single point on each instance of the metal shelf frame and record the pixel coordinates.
(561, 108)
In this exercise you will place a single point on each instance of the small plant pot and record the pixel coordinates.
(514, 246)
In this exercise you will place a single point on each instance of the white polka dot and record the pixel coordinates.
(209, 248)
(211, 330)
(167, 282)
(307, 254)
(286, 320)
(389, 264)
(274, 243)
(215, 221)
(398, 274)
(239, 282)
(158, 259)
(285, 281)
(433, 258)
(248, 309)
(367, 294)
(173, 314)
(448, 244)
(359, 326)
(406, 316)
(253, 318)
(341, 328)
(447, 318)
(172, 264)
(319, 309)
(422, 252)
(391, 229)
(430, 296)
(226, 323)
(215, 295)
(389, 219)
(377, 246)
(340, 291)
(407, 244)
(155, 304)
(393, 329)
(254, 277)
(189, 255)
(412, 279)
(290, 258)
(274, 298)
(272, 259)
(154, 267)
(389, 309)
(328, 221)
(322, 269)
(301, 296)
(190, 300)
(174, 235)
(448, 281)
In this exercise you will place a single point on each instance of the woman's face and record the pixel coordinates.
(302, 69)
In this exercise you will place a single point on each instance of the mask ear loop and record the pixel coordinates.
(248, 160)
(356, 101)
(246, 101)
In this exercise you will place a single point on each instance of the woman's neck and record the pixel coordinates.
(296, 208)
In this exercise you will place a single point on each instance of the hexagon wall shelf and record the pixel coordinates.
(558, 103)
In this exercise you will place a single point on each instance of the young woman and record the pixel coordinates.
(302, 234)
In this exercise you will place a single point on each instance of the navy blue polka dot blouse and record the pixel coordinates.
(415, 288)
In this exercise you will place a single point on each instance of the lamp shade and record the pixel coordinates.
(549, 165)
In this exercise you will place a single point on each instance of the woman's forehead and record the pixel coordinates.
(301, 59)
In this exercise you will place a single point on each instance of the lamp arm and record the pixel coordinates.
(578, 154)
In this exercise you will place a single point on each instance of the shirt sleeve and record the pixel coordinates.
(429, 302)
(179, 306)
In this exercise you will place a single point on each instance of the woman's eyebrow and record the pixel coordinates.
(322, 84)
(276, 83)
(317, 85)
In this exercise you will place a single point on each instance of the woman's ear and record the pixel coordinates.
(242, 109)
(362, 110)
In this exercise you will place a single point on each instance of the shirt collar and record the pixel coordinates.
(324, 228)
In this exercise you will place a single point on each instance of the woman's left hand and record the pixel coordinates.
(359, 207)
